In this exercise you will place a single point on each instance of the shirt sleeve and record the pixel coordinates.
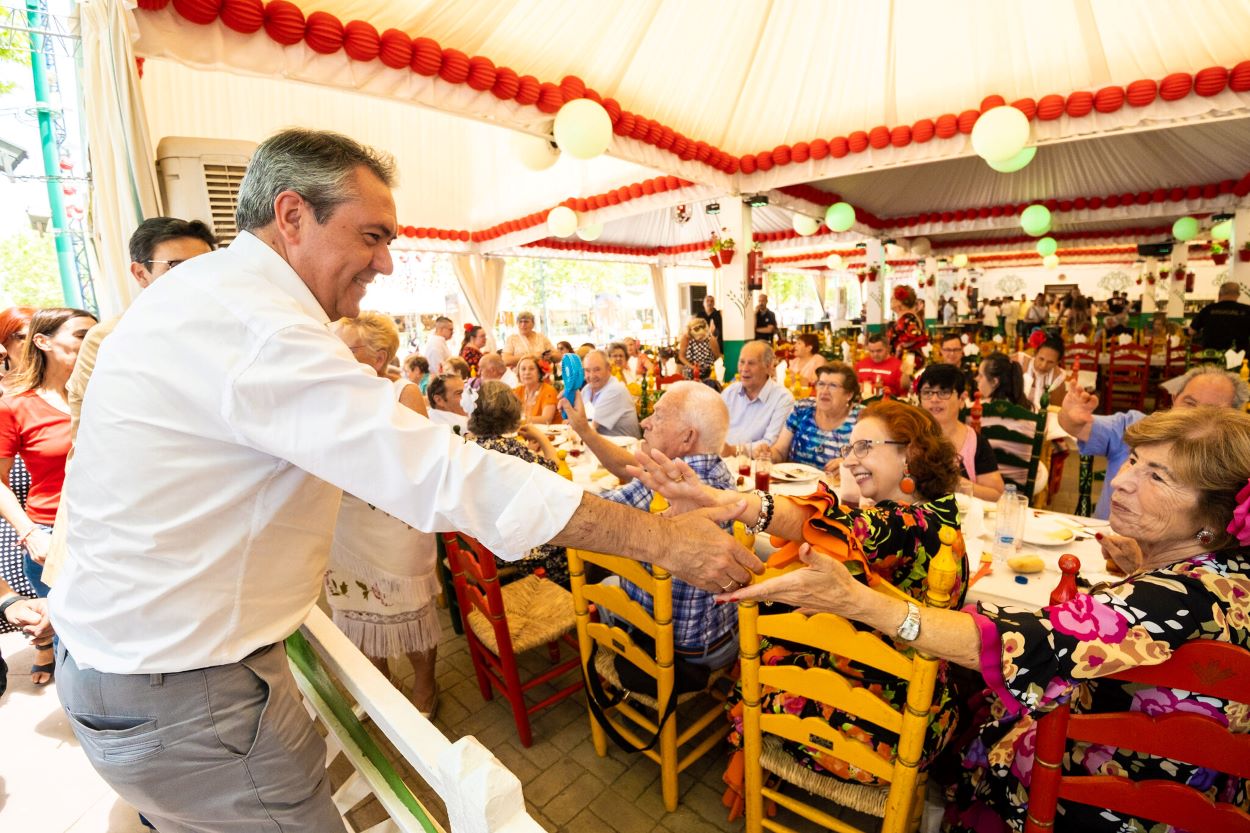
(1033, 659)
(984, 459)
(1200, 320)
(301, 399)
(782, 409)
(9, 439)
(1107, 433)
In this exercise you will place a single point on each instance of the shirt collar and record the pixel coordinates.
(251, 249)
(742, 390)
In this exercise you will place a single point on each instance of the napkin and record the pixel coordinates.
(971, 350)
(998, 339)
(1079, 339)
(1126, 338)
(1174, 341)
(1234, 358)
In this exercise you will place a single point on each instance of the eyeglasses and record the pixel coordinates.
(828, 386)
(169, 263)
(936, 393)
(861, 448)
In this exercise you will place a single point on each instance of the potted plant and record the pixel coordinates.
(1244, 253)
(1219, 255)
(726, 250)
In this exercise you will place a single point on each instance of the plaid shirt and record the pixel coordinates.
(697, 620)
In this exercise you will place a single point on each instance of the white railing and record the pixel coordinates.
(481, 795)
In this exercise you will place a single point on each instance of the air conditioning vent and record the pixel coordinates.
(200, 180)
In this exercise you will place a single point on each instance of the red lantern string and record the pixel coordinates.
(202, 12)
(361, 41)
(284, 22)
(324, 33)
(243, 16)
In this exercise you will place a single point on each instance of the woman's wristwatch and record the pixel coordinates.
(910, 629)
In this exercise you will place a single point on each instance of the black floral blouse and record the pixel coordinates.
(1036, 660)
(551, 560)
(899, 541)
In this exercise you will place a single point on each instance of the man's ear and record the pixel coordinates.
(290, 213)
(141, 274)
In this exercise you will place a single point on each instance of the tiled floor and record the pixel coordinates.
(47, 786)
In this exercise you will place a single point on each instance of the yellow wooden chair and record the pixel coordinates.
(700, 730)
(901, 802)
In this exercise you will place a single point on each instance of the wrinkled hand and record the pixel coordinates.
(1125, 552)
(677, 482)
(37, 544)
(1076, 414)
(707, 556)
(825, 586)
(31, 616)
(574, 413)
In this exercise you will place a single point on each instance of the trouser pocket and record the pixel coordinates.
(116, 739)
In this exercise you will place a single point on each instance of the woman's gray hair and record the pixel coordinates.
(497, 411)
(316, 164)
(1241, 390)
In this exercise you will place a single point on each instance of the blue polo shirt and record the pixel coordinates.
(1106, 439)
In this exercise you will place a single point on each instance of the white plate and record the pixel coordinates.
(795, 472)
(1045, 533)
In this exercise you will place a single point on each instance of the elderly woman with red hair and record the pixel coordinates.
(907, 333)
(898, 457)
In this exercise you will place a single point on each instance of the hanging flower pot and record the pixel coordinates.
(863, 276)
(1139, 281)
(1219, 258)
(715, 261)
(726, 256)
(1244, 255)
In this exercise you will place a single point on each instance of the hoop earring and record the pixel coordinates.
(1205, 537)
(908, 484)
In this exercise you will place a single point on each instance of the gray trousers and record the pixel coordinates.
(227, 748)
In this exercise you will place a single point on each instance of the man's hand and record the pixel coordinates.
(825, 586)
(678, 483)
(1076, 415)
(575, 413)
(703, 554)
(31, 616)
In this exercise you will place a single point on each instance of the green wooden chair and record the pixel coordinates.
(1016, 434)
(1199, 357)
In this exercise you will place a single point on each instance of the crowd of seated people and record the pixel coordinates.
(1176, 484)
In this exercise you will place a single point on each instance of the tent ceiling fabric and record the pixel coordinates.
(742, 75)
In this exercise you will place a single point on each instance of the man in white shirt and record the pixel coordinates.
(606, 400)
(203, 493)
(758, 406)
(436, 350)
(446, 395)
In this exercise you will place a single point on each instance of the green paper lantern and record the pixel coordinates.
(840, 216)
(1035, 220)
(1015, 163)
(1222, 231)
(583, 128)
(1047, 246)
(1186, 228)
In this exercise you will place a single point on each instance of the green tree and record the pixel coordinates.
(28, 271)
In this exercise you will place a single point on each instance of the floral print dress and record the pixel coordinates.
(1036, 660)
(899, 541)
(908, 335)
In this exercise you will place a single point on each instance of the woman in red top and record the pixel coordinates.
(13, 324)
(34, 422)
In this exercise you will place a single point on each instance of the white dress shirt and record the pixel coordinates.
(760, 419)
(222, 423)
(436, 352)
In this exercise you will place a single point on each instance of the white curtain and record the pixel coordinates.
(124, 191)
(660, 288)
(820, 279)
(481, 280)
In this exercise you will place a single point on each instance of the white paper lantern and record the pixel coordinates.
(921, 246)
(1015, 163)
(1051, 261)
(583, 128)
(1000, 133)
(804, 225)
(590, 232)
(893, 250)
(562, 221)
(535, 152)
(834, 261)
(960, 261)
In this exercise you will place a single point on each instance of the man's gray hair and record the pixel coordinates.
(766, 354)
(1230, 290)
(703, 410)
(316, 164)
(1241, 390)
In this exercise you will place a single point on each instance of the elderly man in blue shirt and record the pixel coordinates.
(689, 422)
(758, 406)
(1103, 434)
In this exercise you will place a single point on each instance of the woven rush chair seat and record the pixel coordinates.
(538, 611)
(605, 665)
(862, 798)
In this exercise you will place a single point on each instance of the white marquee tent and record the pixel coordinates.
(1140, 111)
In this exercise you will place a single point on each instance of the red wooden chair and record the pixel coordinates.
(1128, 376)
(1216, 669)
(1088, 354)
(503, 621)
(1175, 362)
